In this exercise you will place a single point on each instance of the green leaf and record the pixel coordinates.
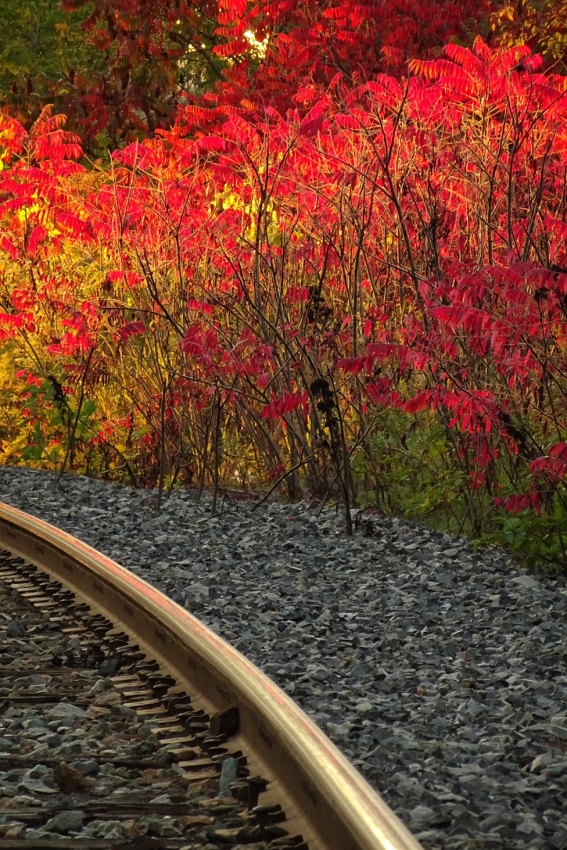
(33, 453)
(88, 408)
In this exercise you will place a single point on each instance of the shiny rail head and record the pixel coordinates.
(337, 807)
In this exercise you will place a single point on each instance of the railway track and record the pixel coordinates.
(232, 760)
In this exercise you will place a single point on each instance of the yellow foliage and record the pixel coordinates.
(541, 24)
(13, 436)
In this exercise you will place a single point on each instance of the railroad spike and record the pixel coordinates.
(226, 722)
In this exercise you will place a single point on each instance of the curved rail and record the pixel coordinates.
(324, 797)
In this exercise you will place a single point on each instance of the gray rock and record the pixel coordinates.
(34, 723)
(26, 800)
(364, 706)
(109, 666)
(87, 768)
(525, 581)
(64, 822)
(164, 826)
(71, 748)
(228, 776)
(340, 730)
(421, 816)
(162, 798)
(64, 709)
(112, 830)
(16, 629)
(35, 772)
(63, 723)
(37, 786)
(39, 834)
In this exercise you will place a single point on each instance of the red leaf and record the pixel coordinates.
(286, 404)
(419, 402)
(37, 236)
(132, 329)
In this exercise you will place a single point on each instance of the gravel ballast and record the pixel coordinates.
(440, 672)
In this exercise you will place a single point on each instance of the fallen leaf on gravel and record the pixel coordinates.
(69, 779)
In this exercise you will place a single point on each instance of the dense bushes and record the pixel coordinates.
(364, 301)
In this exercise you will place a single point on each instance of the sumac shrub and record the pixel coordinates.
(265, 304)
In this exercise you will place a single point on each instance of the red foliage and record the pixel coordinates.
(287, 404)
(132, 329)
(159, 52)
(404, 239)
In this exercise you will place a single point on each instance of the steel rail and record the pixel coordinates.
(324, 797)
